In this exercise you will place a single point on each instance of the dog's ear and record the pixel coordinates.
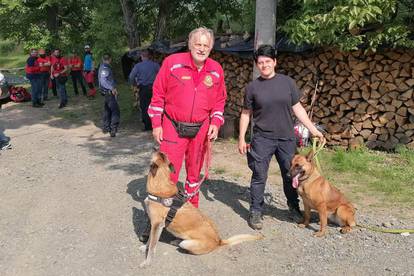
(153, 169)
(310, 156)
(172, 169)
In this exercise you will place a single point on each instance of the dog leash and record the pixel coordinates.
(207, 163)
(317, 146)
(382, 230)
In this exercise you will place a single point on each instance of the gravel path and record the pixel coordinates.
(71, 204)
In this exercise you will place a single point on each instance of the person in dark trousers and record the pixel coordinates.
(35, 77)
(75, 64)
(270, 99)
(44, 63)
(107, 86)
(59, 72)
(142, 76)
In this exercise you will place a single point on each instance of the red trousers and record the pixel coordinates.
(193, 149)
(89, 77)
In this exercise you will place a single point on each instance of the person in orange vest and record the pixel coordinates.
(60, 67)
(32, 69)
(89, 71)
(75, 63)
(44, 63)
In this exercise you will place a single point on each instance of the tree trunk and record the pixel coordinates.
(161, 20)
(130, 23)
(52, 20)
(265, 25)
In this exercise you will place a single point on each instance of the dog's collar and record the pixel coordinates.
(174, 203)
(167, 202)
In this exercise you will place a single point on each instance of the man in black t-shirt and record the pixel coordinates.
(271, 98)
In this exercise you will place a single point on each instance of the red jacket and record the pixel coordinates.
(32, 66)
(58, 65)
(76, 63)
(41, 61)
(186, 94)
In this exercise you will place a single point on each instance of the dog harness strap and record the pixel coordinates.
(178, 202)
(167, 202)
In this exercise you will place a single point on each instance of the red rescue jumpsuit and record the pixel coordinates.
(192, 96)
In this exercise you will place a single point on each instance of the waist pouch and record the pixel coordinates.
(62, 79)
(185, 130)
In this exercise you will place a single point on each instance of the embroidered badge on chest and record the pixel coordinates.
(186, 78)
(208, 81)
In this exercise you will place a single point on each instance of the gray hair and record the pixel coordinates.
(202, 31)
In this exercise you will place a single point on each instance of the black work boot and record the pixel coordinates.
(255, 220)
(144, 235)
(295, 212)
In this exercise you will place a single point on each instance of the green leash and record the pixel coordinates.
(317, 146)
(382, 230)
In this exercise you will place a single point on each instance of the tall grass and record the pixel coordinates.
(366, 172)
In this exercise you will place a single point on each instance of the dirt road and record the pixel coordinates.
(71, 204)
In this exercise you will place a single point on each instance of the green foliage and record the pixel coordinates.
(364, 171)
(352, 23)
(105, 32)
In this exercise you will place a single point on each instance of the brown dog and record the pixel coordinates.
(318, 194)
(198, 232)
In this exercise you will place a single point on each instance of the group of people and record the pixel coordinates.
(186, 112)
(44, 71)
(183, 102)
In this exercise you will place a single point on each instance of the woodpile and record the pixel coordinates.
(363, 97)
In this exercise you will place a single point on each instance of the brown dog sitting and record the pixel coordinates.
(318, 194)
(198, 232)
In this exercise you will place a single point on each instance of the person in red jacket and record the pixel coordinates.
(60, 67)
(189, 89)
(32, 69)
(186, 110)
(44, 63)
(75, 63)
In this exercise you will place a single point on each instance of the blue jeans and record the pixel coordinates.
(258, 158)
(36, 89)
(44, 86)
(61, 89)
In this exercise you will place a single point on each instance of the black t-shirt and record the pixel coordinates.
(271, 101)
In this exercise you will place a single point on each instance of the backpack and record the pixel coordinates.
(19, 94)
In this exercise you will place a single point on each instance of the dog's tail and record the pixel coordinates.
(240, 238)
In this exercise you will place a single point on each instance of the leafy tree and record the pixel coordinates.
(350, 24)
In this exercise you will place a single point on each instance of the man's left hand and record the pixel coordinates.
(212, 132)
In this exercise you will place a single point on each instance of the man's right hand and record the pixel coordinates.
(243, 147)
(157, 134)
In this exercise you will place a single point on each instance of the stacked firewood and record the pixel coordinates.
(361, 97)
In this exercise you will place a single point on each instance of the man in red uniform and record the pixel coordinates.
(32, 69)
(59, 71)
(189, 88)
(75, 64)
(44, 63)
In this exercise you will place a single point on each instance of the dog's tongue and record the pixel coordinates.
(295, 181)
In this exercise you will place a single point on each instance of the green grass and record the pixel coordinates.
(11, 55)
(367, 173)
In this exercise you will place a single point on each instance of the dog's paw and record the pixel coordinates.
(345, 229)
(143, 248)
(319, 234)
(302, 225)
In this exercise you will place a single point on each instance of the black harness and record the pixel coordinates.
(174, 203)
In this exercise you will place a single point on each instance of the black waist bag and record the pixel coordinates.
(185, 130)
